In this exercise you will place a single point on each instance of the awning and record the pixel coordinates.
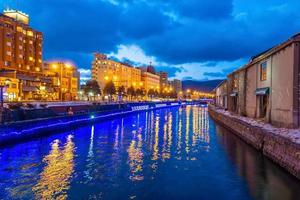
(234, 94)
(262, 91)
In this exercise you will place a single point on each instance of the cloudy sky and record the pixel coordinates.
(191, 39)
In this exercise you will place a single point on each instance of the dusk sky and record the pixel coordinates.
(190, 39)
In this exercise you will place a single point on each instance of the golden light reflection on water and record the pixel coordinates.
(54, 180)
(186, 129)
(200, 126)
(135, 155)
(156, 139)
(179, 135)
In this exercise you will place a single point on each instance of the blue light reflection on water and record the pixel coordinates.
(175, 153)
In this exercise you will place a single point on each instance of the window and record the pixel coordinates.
(29, 33)
(263, 71)
(235, 81)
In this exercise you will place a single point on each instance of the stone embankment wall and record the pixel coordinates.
(279, 144)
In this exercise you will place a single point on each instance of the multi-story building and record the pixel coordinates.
(121, 74)
(177, 86)
(268, 86)
(163, 80)
(64, 79)
(21, 52)
(221, 95)
(150, 79)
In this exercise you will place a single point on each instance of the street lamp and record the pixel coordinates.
(61, 66)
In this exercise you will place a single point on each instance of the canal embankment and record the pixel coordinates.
(59, 120)
(281, 145)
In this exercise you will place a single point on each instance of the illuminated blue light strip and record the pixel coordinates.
(49, 125)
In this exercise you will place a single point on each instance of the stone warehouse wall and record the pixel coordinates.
(279, 144)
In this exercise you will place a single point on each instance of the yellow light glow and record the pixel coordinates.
(68, 65)
(106, 78)
(54, 66)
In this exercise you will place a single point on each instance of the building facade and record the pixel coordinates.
(177, 86)
(21, 57)
(268, 86)
(64, 79)
(221, 95)
(163, 80)
(105, 70)
(151, 81)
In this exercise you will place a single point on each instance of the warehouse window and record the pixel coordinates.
(263, 71)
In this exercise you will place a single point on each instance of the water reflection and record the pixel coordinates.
(135, 156)
(176, 153)
(54, 181)
(264, 179)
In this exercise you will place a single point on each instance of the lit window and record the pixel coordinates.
(235, 81)
(29, 33)
(19, 29)
(263, 71)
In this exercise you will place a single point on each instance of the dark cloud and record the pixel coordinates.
(173, 31)
(204, 9)
(171, 70)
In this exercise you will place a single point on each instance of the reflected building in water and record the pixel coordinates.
(264, 179)
(55, 178)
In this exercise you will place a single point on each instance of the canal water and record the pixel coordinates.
(174, 153)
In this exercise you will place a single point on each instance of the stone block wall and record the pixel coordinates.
(280, 145)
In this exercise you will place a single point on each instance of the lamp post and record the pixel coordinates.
(61, 67)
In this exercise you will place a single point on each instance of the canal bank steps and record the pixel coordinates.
(279, 144)
(15, 132)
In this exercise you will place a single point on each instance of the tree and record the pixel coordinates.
(121, 90)
(131, 92)
(151, 93)
(156, 93)
(140, 92)
(91, 88)
(109, 88)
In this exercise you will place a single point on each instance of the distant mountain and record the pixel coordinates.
(204, 86)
